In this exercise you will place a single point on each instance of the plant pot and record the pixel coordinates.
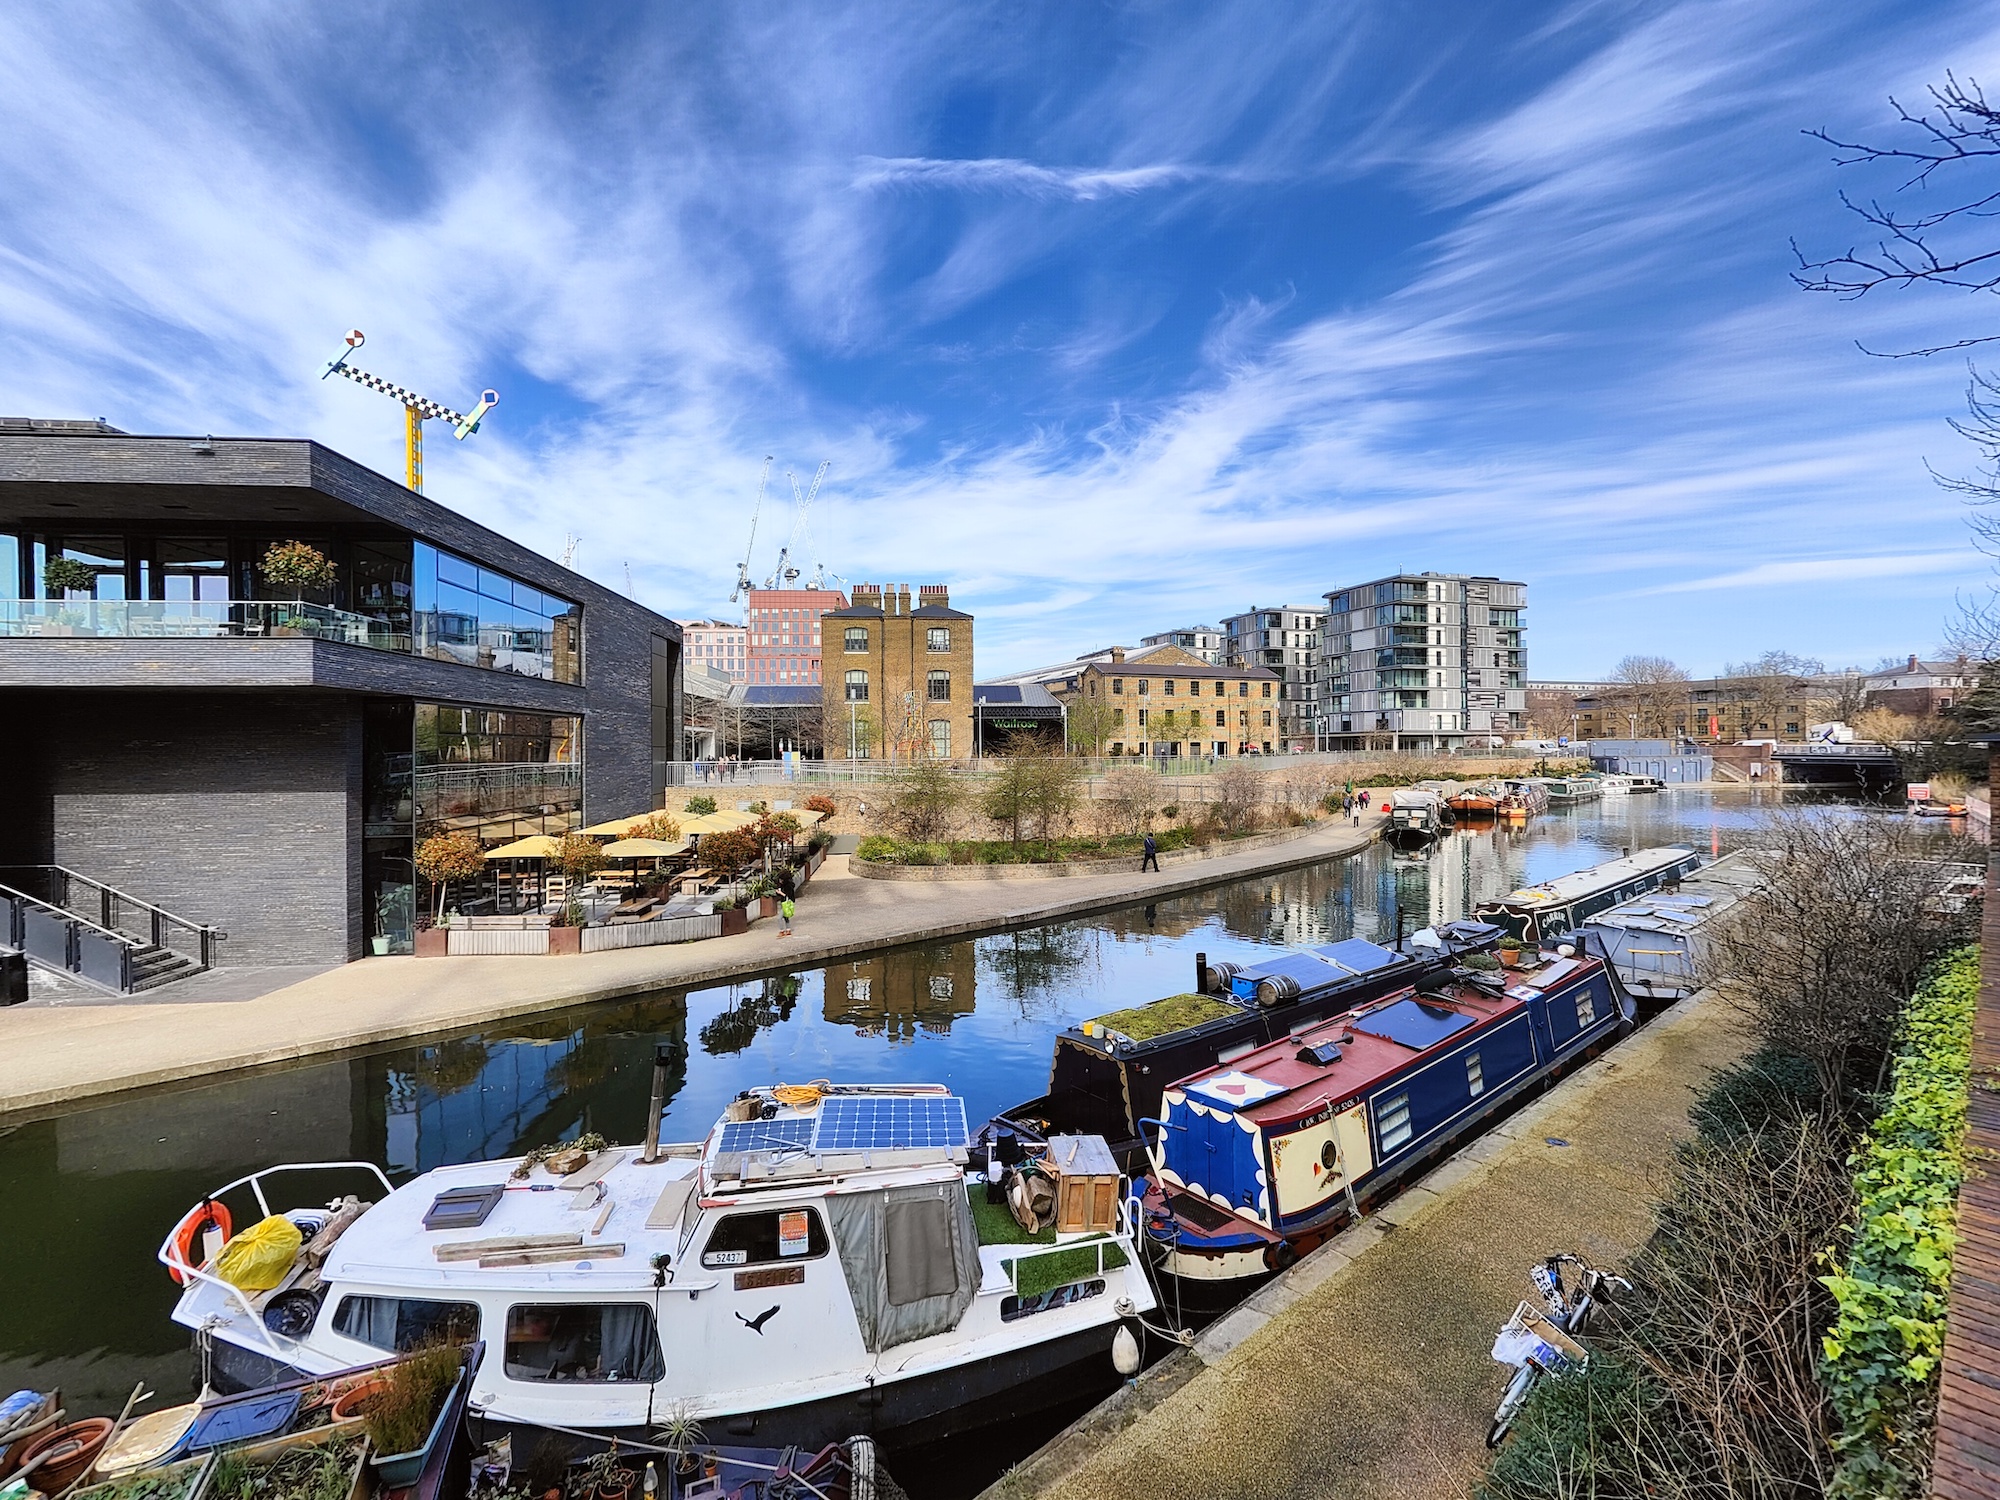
(394, 1471)
(434, 942)
(735, 920)
(1510, 958)
(767, 906)
(70, 1451)
(379, 945)
(357, 1398)
(616, 1489)
(565, 940)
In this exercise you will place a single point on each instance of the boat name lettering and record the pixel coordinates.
(750, 1281)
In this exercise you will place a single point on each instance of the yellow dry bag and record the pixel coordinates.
(257, 1259)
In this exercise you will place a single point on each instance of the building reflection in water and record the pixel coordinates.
(898, 994)
(766, 1004)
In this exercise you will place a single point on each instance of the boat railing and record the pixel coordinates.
(170, 1256)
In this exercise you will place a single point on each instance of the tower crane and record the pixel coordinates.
(416, 409)
(743, 584)
(786, 572)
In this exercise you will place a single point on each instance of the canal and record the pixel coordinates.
(84, 1305)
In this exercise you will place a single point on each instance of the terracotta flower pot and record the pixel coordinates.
(1510, 958)
(69, 1451)
(565, 940)
(357, 1398)
(433, 942)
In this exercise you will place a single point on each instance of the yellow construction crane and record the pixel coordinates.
(416, 409)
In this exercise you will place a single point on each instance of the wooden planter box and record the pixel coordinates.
(767, 906)
(433, 942)
(734, 921)
(565, 939)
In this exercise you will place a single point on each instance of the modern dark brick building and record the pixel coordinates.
(263, 758)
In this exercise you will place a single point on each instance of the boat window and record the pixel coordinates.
(1586, 1008)
(761, 1239)
(1475, 1075)
(583, 1341)
(1392, 1122)
(405, 1323)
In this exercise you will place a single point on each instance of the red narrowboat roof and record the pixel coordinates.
(1282, 1081)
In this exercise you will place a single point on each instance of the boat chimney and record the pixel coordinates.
(660, 1061)
(1201, 973)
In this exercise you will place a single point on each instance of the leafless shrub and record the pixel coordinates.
(1238, 791)
(1821, 960)
(1129, 798)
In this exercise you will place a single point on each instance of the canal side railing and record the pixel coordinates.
(62, 940)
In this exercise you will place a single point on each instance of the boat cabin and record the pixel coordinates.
(1657, 941)
(1541, 913)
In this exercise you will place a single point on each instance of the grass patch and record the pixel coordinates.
(1033, 1275)
(997, 1226)
(1164, 1017)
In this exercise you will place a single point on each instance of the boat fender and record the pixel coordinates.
(1281, 1256)
(1277, 990)
(188, 1236)
(1125, 1352)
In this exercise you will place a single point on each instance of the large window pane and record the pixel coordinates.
(496, 586)
(11, 549)
(583, 1341)
(104, 553)
(451, 569)
(193, 568)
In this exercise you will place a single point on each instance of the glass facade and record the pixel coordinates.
(481, 618)
(388, 824)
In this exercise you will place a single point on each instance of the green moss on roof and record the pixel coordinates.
(1163, 1017)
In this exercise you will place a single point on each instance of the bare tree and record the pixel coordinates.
(1238, 791)
(1130, 796)
(1778, 680)
(1824, 956)
(1650, 692)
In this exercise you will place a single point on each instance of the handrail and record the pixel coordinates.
(69, 916)
(206, 934)
(169, 1254)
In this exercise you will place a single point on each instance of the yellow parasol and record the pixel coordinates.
(643, 848)
(616, 828)
(535, 846)
(718, 822)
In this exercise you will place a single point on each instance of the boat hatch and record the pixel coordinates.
(1323, 1054)
(1412, 1024)
(1234, 1090)
(463, 1207)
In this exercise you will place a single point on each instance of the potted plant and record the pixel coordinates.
(604, 1477)
(580, 857)
(66, 578)
(681, 1435)
(294, 568)
(1510, 952)
(445, 857)
(734, 918)
(406, 1419)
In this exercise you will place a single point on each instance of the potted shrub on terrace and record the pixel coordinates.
(66, 578)
(580, 857)
(295, 568)
(735, 918)
(441, 859)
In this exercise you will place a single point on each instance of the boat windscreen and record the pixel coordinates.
(1412, 1024)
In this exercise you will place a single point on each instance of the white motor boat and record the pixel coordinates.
(815, 1268)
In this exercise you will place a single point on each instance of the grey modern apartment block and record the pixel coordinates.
(1429, 661)
(1284, 640)
(260, 752)
(1209, 642)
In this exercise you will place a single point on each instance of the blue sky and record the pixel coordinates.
(1114, 317)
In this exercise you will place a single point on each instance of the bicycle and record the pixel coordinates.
(1539, 1343)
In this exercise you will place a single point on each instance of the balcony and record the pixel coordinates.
(184, 619)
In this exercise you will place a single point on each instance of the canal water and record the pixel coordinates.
(84, 1305)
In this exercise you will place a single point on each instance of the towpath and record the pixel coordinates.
(1365, 1372)
(55, 1055)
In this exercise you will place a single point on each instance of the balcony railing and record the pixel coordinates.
(196, 619)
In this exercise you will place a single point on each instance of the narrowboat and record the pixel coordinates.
(1259, 1159)
(815, 1267)
(1416, 817)
(1539, 913)
(1527, 793)
(1107, 1074)
(1568, 791)
(1658, 942)
(1474, 802)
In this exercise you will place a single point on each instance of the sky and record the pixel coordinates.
(1112, 317)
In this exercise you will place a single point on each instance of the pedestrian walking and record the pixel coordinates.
(1356, 804)
(1152, 855)
(785, 909)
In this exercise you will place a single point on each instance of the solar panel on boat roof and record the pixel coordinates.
(767, 1135)
(877, 1123)
(1412, 1024)
(1358, 954)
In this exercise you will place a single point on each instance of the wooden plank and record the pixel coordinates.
(603, 1217)
(478, 1249)
(552, 1255)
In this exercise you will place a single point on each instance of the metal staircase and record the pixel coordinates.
(82, 928)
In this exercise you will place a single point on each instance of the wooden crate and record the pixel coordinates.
(1087, 1184)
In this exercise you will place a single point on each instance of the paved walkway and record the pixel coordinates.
(1366, 1372)
(51, 1056)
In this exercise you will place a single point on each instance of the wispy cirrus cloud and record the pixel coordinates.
(1006, 174)
(1824, 570)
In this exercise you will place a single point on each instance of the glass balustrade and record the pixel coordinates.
(172, 619)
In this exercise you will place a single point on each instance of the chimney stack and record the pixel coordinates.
(867, 596)
(1913, 663)
(1117, 656)
(902, 598)
(934, 593)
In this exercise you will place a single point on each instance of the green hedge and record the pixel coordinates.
(880, 849)
(1882, 1352)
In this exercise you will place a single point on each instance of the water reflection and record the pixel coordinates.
(86, 1305)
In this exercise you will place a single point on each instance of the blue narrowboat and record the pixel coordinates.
(1107, 1074)
(1542, 913)
(1258, 1159)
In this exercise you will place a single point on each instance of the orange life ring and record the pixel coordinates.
(188, 1235)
